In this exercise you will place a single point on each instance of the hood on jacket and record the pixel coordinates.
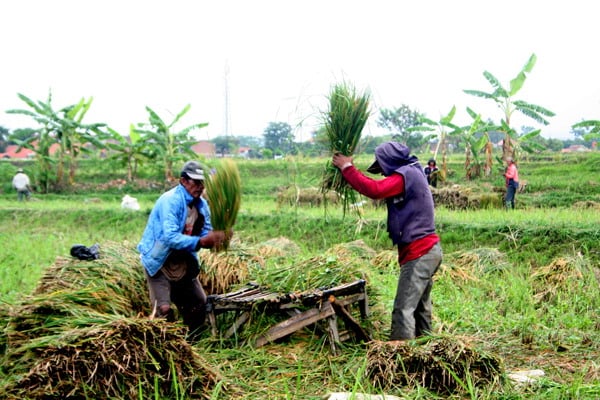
(390, 156)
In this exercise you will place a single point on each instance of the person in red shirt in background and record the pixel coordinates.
(512, 182)
(411, 226)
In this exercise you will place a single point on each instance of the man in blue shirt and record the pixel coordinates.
(178, 227)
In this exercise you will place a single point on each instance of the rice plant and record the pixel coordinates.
(223, 189)
(348, 113)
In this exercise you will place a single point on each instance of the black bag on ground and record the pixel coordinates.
(85, 253)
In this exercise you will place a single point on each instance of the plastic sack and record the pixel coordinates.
(85, 253)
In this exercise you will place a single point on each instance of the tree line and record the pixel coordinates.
(60, 137)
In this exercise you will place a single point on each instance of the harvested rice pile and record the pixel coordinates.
(453, 197)
(560, 277)
(278, 247)
(457, 197)
(266, 262)
(114, 360)
(386, 259)
(223, 271)
(118, 269)
(348, 251)
(312, 197)
(343, 263)
(469, 266)
(584, 205)
(71, 293)
(79, 335)
(270, 265)
(442, 364)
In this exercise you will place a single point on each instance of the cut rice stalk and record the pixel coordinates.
(347, 116)
(223, 189)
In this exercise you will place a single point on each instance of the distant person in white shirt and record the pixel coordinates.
(22, 184)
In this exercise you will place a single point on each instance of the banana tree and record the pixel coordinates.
(74, 137)
(477, 141)
(592, 126)
(64, 128)
(505, 100)
(442, 128)
(168, 145)
(40, 139)
(128, 151)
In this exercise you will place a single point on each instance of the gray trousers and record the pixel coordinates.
(411, 316)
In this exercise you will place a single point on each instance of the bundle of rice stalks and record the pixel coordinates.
(119, 358)
(224, 193)
(445, 365)
(348, 113)
(561, 276)
(224, 270)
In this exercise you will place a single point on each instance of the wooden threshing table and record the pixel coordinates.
(299, 310)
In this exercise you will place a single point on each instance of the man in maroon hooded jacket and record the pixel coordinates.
(411, 227)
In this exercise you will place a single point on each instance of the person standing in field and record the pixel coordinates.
(410, 224)
(431, 172)
(178, 227)
(512, 182)
(22, 184)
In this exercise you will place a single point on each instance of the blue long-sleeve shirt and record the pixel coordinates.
(164, 230)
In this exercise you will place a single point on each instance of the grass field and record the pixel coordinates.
(522, 285)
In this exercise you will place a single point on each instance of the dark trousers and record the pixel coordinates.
(511, 190)
(411, 316)
(187, 294)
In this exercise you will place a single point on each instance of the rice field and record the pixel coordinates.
(517, 292)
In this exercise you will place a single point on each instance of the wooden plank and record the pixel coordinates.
(354, 298)
(361, 299)
(241, 320)
(213, 322)
(363, 305)
(251, 287)
(295, 323)
(347, 288)
(341, 311)
(334, 336)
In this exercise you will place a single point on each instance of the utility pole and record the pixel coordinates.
(227, 116)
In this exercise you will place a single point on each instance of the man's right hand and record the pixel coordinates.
(341, 161)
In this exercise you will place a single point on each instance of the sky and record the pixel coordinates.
(242, 64)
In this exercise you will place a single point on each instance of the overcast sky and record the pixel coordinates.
(277, 60)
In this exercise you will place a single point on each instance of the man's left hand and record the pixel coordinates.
(341, 161)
